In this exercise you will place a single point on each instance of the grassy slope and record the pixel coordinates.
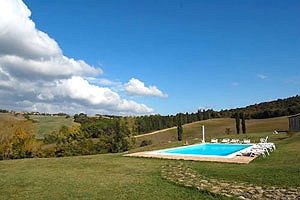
(89, 177)
(113, 176)
(47, 124)
(43, 125)
(10, 123)
(216, 128)
(4, 117)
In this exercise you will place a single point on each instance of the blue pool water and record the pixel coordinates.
(206, 149)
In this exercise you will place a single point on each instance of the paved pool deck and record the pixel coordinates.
(152, 154)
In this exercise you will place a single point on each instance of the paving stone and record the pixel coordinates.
(183, 175)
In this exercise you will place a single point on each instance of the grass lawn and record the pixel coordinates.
(89, 177)
(281, 168)
(112, 176)
(47, 124)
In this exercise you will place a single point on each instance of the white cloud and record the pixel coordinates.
(103, 81)
(20, 37)
(35, 75)
(136, 87)
(52, 68)
(26, 50)
(262, 76)
(99, 97)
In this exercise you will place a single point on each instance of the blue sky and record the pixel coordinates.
(200, 54)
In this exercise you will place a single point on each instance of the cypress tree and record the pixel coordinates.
(237, 123)
(179, 132)
(243, 123)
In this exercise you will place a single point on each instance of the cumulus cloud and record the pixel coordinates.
(20, 37)
(25, 50)
(55, 67)
(136, 87)
(35, 75)
(79, 89)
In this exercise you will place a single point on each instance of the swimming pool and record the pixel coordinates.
(206, 150)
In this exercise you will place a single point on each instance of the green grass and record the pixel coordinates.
(216, 128)
(47, 124)
(113, 176)
(281, 168)
(89, 177)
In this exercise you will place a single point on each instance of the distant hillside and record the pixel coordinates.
(277, 108)
(264, 110)
(216, 128)
(148, 123)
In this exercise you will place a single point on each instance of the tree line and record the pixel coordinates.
(148, 123)
(277, 108)
(92, 136)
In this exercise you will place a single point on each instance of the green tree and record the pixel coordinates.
(179, 132)
(243, 123)
(237, 123)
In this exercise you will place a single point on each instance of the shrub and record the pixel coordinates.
(145, 143)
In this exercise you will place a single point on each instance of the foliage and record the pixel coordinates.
(46, 124)
(243, 123)
(179, 132)
(148, 123)
(3, 111)
(69, 142)
(227, 131)
(81, 118)
(237, 123)
(100, 135)
(18, 142)
(277, 108)
(26, 116)
(280, 107)
(145, 143)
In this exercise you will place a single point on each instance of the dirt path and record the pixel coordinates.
(159, 131)
(163, 130)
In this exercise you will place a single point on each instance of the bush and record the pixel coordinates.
(146, 143)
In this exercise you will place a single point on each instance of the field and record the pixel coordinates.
(39, 124)
(10, 123)
(47, 124)
(113, 176)
(9, 117)
(216, 128)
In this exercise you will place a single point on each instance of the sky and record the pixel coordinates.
(141, 57)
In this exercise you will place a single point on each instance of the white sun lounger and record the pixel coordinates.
(258, 152)
(268, 145)
(214, 140)
(257, 147)
(234, 141)
(246, 141)
(264, 140)
(252, 152)
(225, 140)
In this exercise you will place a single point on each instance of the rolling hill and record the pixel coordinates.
(215, 128)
